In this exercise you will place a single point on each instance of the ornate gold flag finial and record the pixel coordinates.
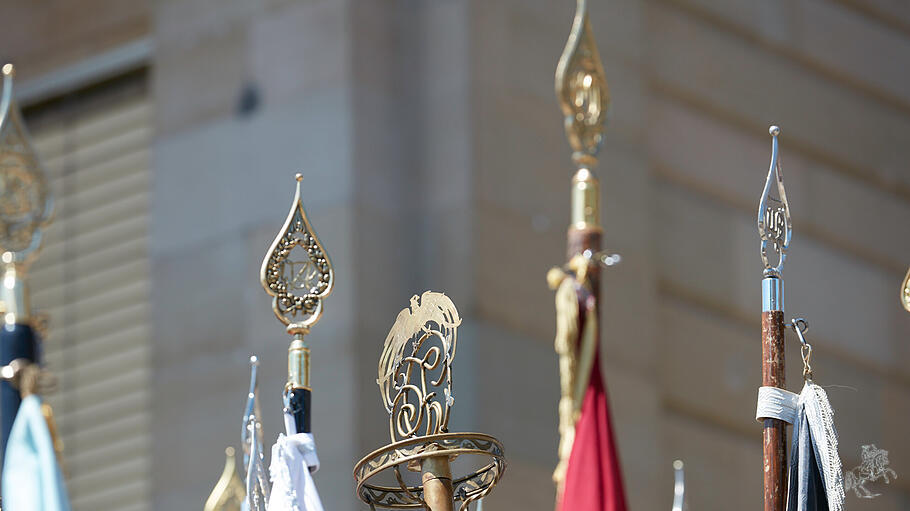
(415, 382)
(296, 272)
(584, 97)
(25, 204)
(229, 492)
(582, 91)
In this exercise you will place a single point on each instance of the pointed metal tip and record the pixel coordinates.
(9, 70)
(254, 360)
(298, 176)
(774, 130)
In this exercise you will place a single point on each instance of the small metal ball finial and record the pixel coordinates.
(298, 176)
(8, 69)
(774, 130)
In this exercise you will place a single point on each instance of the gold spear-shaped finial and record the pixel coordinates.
(25, 205)
(584, 97)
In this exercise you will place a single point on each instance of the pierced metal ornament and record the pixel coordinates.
(582, 91)
(415, 382)
(25, 204)
(297, 272)
(774, 224)
(415, 369)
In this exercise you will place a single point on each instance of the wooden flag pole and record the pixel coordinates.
(775, 229)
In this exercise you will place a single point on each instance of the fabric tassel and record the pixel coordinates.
(293, 461)
(32, 479)
(816, 480)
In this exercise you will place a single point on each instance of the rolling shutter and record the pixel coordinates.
(92, 279)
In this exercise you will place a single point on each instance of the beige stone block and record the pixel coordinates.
(831, 38)
(702, 153)
(201, 79)
(723, 470)
(821, 283)
(734, 78)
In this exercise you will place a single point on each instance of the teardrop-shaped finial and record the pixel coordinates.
(774, 224)
(582, 91)
(229, 491)
(25, 205)
(297, 272)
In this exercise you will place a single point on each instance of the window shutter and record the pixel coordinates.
(92, 279)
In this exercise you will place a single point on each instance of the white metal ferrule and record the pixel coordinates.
(772, 294)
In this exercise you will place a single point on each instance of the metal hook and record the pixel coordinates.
(802, 326)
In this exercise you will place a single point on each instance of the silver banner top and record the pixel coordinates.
(774, 224)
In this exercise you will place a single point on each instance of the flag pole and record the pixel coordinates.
(775, 230)
(584, 98)
(298, 275)
(416, 385)
(26, 210)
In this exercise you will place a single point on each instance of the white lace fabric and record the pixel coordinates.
(294, 460)
(816, 414)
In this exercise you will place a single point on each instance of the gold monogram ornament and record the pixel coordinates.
(415, 381)
(582, 91)
(297, 272)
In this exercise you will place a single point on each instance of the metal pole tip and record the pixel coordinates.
(774, 130)
(8, 69)
(254, 360)
(678, 465)
(298, 176)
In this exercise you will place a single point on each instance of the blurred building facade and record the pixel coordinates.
(434, 158)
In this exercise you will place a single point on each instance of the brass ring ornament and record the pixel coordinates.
(297, 272)
(468, 489)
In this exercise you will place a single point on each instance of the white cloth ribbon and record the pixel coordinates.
(294, 460)
(775, 403)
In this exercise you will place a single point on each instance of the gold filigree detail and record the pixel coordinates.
(415, 369)
(25, 204)
(582, 91)
(229, 492)
(415, 381)
(297, 272)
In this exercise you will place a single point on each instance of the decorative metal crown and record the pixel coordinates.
(582, 90)
(297, 272)
(774, 224)
(25, 204)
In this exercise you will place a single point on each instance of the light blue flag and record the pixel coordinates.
(32, 480)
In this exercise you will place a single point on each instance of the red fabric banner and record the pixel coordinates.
(593, 477)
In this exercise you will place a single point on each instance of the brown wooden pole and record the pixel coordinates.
(437, 484)
(774, 431)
